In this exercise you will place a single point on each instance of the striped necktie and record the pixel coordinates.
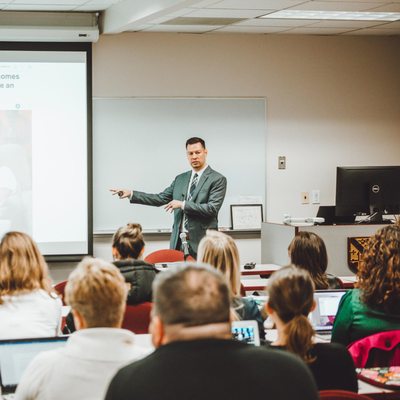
(189, 197)
(193, 186)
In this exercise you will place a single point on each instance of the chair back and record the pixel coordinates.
(60, 288)
(137, 317)
(378, 350)
(165, 256)
(341, 395)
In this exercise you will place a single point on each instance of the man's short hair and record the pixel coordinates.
(97, 290)
(192, 295)
(194, 140)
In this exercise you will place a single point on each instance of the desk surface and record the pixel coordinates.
(260, 269)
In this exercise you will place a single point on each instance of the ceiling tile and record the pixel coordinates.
(38, 7)
(54, 3)
(346, 24)
(262, 22)
(183, 28)
(316, 31)
(225, 13)
(205, 3)
(180, 13)
(250, 29)
(256, 4)
(335, 6)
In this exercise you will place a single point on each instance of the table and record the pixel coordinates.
(260, 269)
(348, 281)
(254, 284)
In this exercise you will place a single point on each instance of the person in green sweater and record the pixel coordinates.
(374, 306)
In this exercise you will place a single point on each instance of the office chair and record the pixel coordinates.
(137, 317)
(378, 350)
(341, 395)
(166, 256)
(59, 288)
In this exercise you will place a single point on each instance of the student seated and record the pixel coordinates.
(291, 299)
(28, 306)
(307, 251)
(96, 292)
(196, 357)
(127, 249)
(374, 306)
(220, 251)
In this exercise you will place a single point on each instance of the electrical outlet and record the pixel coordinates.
(305, 198)
(281, 162)
(315, 196)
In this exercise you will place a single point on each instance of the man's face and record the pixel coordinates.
(196, 155)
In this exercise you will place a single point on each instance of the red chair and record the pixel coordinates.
(60, 288)
(341, 395)
(137, 317)
(378, 350)
(165, 256)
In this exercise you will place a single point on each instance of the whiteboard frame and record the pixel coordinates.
(256, 212)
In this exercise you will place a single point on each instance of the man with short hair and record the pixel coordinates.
(96, 292)
(194, 197)
(195, 356)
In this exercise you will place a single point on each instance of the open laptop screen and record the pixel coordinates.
(15, 356)
(327, 303)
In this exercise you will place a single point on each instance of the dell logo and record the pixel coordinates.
(375, 189)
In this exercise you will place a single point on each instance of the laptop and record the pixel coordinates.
(15, 356)
(327, 304)
(246, 331)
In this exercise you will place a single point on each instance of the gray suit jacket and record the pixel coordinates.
(201, 211)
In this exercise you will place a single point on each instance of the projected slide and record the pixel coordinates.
(43, 148)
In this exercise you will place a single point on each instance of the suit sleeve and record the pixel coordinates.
(156, 199)
(211, 207)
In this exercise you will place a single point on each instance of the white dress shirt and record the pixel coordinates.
(82, 369)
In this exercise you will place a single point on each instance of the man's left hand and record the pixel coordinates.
(172, 205)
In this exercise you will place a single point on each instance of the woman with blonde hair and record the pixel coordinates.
(220, 251)
(374, 305)
(291, 299)
(28, 305)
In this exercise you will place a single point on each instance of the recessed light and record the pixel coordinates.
(339, 15)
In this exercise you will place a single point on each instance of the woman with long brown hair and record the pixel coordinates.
(374, 306)
(307, 251)
(291, 299)
(28, 305)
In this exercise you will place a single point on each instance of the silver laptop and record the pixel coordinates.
(15, 356)
(327, 303)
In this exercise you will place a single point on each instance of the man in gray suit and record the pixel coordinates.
(194, 197)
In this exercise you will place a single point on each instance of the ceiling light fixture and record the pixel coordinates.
(334, 15)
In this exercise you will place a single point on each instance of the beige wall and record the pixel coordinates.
(331, 100)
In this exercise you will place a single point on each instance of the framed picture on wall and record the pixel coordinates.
(246, 216)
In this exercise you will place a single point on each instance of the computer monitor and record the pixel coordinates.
(370, 191)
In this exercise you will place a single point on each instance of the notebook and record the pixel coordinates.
(327, 303)
(15, 356)
(246, 331)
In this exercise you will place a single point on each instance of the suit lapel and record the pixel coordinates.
(203, 179)
(185, 184)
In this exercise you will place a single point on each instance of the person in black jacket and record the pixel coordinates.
(127, 249)
(196, 357)
(291, 299)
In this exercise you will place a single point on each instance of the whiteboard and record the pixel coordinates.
(139, 143)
